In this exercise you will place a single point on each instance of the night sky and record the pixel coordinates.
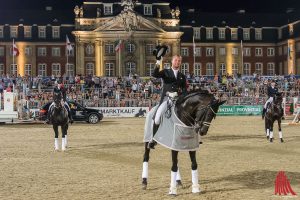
(203, 5)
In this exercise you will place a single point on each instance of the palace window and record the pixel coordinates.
(42, 32)
(247, 69)
(259, 68)
(56, 51)
(42, 51)
(210, 69)
(130, 68)
(70, 69)
(56, 69)
(55, 32)
(184, 68)
(27, 31)
(271, 69)
(197, 69)
(150, 68)
(90, 69)
(13, 31)
(147, 9)
(108, 9)
(109, 69)
(42, 69)
(222, 69)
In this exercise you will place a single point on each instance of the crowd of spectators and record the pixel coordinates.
(137, 91)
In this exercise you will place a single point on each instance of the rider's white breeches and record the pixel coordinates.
(161, 109)
(270, 100)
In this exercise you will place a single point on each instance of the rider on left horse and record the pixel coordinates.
(272, 91)
(59, 88)
(173, 82)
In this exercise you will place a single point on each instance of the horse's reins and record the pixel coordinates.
(194, 122)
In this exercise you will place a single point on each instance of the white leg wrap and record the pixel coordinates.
(268, 132)
(173, 189)
(56, 144)
(271, 134)
(145, 170)
(66, 141)
(178, 177)
(280, 134)
(63, 147)
(195, 181)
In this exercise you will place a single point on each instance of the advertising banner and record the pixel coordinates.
(240, 110)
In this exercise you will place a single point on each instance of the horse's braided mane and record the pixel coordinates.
(182, 98)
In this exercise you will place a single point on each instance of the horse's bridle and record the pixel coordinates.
(195, 122)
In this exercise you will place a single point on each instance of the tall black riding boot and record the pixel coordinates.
(263, 113)
(48, 117)
(70, 117)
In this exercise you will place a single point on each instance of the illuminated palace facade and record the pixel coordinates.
(210, 43)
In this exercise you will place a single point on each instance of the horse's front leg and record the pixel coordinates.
(271, 130)
(279, 130)
(174, 169)
(195, 179)
(63, 134)
(55, 128)
(267, 127)
(145, 166)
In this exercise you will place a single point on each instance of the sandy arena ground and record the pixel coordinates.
(104, 161)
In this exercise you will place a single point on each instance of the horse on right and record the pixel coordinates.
(274, 113)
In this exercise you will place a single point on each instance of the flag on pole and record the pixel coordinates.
(194, 45)
(16, 51)
(119, 45)
(68, 44)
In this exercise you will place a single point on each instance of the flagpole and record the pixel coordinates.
(194, 52)
(13, 50)
(242, 54)
(119, 51)
(67, 60)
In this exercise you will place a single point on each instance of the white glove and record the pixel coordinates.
(172, 94)
(158, 62)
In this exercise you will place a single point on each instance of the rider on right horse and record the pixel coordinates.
(60, 88)
(173, 82)
(272, 91)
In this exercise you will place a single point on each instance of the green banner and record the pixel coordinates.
(239, 110)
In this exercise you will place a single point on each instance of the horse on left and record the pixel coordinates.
(59, 117)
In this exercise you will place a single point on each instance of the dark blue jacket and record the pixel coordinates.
(170, 83)
(62, 90)
(272, 91)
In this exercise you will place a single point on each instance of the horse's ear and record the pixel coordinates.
(221, 102)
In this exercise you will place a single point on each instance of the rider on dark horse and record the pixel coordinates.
(59, 88)
(173, 82)
(272, 91)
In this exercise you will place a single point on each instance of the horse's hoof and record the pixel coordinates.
(173, 191)
(281, 140)
(200, 142)
(195, 189)
(144, 184)
(271, 139)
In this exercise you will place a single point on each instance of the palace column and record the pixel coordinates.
(98, 57)
(141, 67)
(80, 57)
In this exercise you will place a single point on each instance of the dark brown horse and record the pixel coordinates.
(59, 117)
(196, 110)
(274, 112)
